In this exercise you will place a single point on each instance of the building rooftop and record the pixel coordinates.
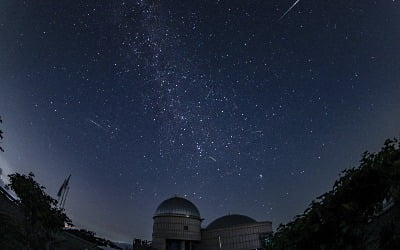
(230, 221)
(177, 206)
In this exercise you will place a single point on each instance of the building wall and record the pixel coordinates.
(242, 237)
(175, 227)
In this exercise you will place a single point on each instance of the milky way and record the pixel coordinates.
(244, 107)
(186, 103)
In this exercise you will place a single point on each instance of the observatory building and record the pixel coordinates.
(177, 226)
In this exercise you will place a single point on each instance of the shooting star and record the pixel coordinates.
(212, 158)
(95, 123)
(209, 93)
(291, 7)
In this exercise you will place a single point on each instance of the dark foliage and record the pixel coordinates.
(11, 236)
(340, 218)
(42, 217)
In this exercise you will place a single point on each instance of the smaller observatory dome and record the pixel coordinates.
(177, 206)
(230, 221)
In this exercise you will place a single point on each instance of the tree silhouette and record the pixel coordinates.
(11, 236)
(42, 217)
(342, 217)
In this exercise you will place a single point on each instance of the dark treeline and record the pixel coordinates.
(38, 223)
(360, 212)
(37, 218)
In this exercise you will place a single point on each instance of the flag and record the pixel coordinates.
(63, 186)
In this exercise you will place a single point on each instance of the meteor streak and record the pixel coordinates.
(212, 158)
(95, 123)
(291, 7)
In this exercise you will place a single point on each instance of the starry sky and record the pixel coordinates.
(250, 107)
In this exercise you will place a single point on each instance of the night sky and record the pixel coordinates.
(235, 105)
